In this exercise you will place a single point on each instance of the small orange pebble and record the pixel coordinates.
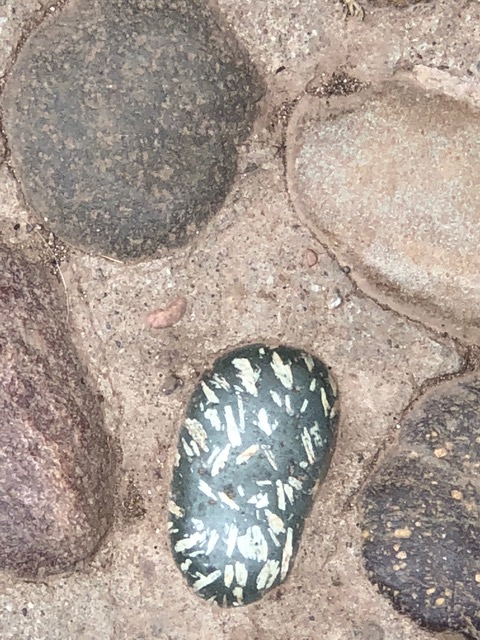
(311, 257)
(163, 318)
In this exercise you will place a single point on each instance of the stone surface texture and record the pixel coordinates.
(257, 440)
(56, 462)
(388, 181)
(420, 521)
(123, 131)
(255, 273)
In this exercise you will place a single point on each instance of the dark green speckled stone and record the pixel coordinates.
(258, 436)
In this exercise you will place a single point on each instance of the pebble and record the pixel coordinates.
(170, 315)
(420, 512)
(123, 133)
(57, 471)
(257, 438)
(386, 179)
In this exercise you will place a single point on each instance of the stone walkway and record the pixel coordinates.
(177, 181)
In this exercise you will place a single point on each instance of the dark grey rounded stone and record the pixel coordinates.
(122, 117)
(258, 437)
(56, 460)
(420, 512)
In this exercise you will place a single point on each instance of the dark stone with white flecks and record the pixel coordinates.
(56, 459)
(420, 512)
(123, 117)
(258, 436)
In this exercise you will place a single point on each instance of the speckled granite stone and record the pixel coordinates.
(122, 118)
(56, 462)
(420, 523)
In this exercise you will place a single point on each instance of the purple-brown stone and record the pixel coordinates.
(56, 459)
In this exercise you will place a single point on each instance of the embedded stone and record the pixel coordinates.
(257, 438)
(123, 132)
(388, 179)
(56, 461)
(420, 512)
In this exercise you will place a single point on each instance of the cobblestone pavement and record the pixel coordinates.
(327, 170)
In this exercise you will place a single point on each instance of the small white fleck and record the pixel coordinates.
(228, 575)
(198, 524)
(274, 522)
(263, 483)
(228, 501)
(241, 491)
(253, 545)
(317, 436)
(303, 464)
(214, 538)
(195, 448)
(233, 433)
(282, 371)
(210, 394)
(232, 533)
(268, 574)
(308, 446)
(276, 541)
(197, 538)
(287, 553)
(220, 461)
(260, 500)
(263, 423)
(215, 451)
(211, 414)
(295, 483)
(270, 457)
(241, 574)
(184, 566)
(246, 374)
(288, 406)
(187, 449)
(304, 406)
(335, 301)
(333, 385)
(204, 581)
(325, 403)
(307, 358)
(220, 382)
(280, 495)
(288, 492)
(204, 488)
(241, 414)
(238, 593)
(175, 509)
(313, 385)
(198, 433)
(276, 398)
(245, 456)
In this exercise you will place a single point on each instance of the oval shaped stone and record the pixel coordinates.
(420, 511)
(388, 179)
(258, 437)
(123, 133)
(57, 461)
